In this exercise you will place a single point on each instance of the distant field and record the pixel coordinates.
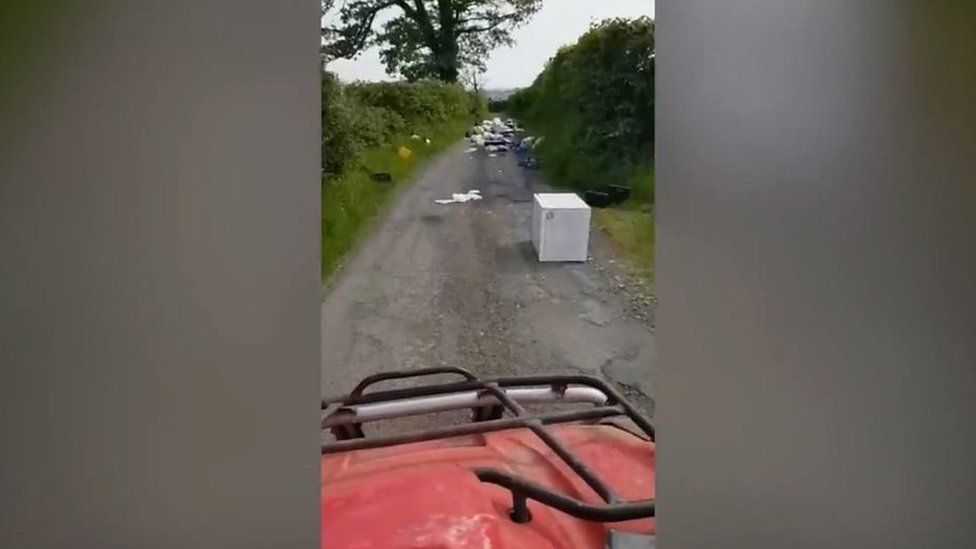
(496, 95)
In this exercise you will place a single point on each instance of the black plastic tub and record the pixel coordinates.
(618, 193)
(381, 177)
(597, 199)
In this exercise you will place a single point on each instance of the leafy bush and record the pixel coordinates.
(418, 102)
(351, 200)
(340, 140)
(362, 124)
(358, 116)
(377, 125)
(594, 102)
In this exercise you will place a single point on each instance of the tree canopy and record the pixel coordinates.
(423, 38)
(594, 102)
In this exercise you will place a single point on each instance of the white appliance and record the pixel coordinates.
(560, 227)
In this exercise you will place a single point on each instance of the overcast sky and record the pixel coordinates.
(558, 23)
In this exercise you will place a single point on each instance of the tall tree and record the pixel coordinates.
(425, 38)
(327, 34)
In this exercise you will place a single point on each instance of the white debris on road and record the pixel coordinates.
(473, 194)
(493, 135)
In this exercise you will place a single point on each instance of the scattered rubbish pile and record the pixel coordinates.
(524, 151)
(473, 194)
(496, 136)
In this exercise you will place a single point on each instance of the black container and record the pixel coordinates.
(618, 193)
(597, 199)
(381, 177)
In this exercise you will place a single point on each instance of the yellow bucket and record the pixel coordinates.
(404, 153)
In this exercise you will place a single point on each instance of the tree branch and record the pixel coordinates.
(423, 20)
(347, 46)
(406, 8)
(493, 23)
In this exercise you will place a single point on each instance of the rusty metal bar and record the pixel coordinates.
(598, 486)
(609, 390)
(612, 510)
(607, 512)
(404, 374)
(463, 400)
(470, 429)
(409, 392)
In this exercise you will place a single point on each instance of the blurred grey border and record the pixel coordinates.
(159, 276)
(816, 273)
(159, 287)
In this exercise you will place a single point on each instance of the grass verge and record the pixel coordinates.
(632, 230)
(631, 224)
(352, 202)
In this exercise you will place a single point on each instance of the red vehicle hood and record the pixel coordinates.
(424, 495)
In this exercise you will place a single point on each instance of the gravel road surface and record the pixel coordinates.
(459, 284)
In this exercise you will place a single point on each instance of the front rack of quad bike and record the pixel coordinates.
(489, 399)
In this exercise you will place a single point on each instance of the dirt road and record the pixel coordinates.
(459, 284)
